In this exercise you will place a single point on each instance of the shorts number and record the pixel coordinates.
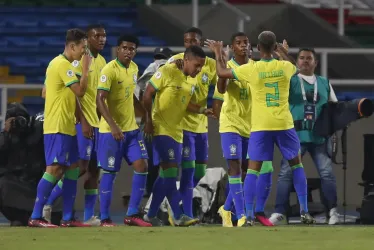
(243, 94)
(272, 99)
(141, 144)
(127, 92)
(183, 99)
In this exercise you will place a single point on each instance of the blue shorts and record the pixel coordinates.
(166, 149)
(234, 146)
(60, 149)
(87, 147)
(195, 146)
(261, 144)
(110, 152)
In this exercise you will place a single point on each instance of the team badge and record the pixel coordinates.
(135, 77)
(70, 73)
(186, 151)
(205, 78)
(171, 154)
(233, 149)
(103, 78)
(75, 63)
(88, 150)
(158, 75)
(111, 161)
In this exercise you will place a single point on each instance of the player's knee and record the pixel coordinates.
(140, 166)
(234, 167)
(55, 170)
(295, 161)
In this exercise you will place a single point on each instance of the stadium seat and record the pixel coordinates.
(23, 42)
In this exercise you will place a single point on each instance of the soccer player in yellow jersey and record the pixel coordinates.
(60, 142)
(272, 122)
(195, 126)
(235, 126)
(87, 129)
(173, 89)
(119, 135)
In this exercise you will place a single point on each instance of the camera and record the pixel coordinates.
(21, 120)
(20, 123)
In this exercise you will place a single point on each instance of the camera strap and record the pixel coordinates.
(303, 90)
(310, 112)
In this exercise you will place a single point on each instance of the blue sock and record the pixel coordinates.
(90, 196)
(105, 192)
(187, 186)
(44, 189)
(228, 202)
(170, 187)
(138, 186)
(250, 184)
(300, 184)
(158, 195)
(69, 191)
(56, 193)
(263, 191)
(236, 189)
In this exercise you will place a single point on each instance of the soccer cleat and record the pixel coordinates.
(261, 217)
(306, 218)
(226, 217)
(107, 223)
(136, 220)
(245, 222)
(47, 213)
(156, 222)
(93, 221)
(278, 219)
(185, 221)
(334, 217)
(40, 223)
(73, 223)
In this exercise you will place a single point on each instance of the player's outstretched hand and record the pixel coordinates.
(209, 113)
(215, 46)
(87, 129)
(148, 131)
(117, 133)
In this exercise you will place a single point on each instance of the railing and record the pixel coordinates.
(4, 96)
(324, 52)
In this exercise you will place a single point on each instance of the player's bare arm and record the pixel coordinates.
(139, 107)
(217, 106)
(80, 89)
(44, 92)
(150, 91)
(87, 129)
(221, 59)
(222, 85)
(102, 95)
(194, 108)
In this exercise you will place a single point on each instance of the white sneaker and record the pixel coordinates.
(334, 217)
(47, 213)
(278, 219)
(93, 221)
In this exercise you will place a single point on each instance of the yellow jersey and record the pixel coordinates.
(120, 82)
(88, 101)
(198, 123)
(174, 92)
(59, 109)
(235, 114)
(269, 83)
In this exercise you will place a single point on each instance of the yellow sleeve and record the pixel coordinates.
(158, 79)
(243, 73)
(66, 72)
(175, 57)
(107, 76)
(290, 69)
(217, 95)
(214, 69)
(77, 67)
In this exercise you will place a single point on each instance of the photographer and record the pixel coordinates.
(308, 94)
(21, 163)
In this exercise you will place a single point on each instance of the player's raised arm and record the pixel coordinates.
(221, 58)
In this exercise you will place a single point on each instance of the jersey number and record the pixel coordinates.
(272, 99)
(243, 94)
(142, 146)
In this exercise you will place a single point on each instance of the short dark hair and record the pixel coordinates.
(195, 51)
(75, 36)
(267, 40)
(309, 50)
(94, 26)
(194, 30)
(235, 35)
(128, 38)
